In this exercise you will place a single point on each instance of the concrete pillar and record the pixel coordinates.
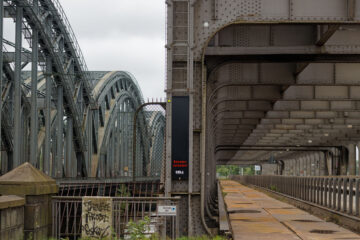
(351, 159)
(317, 164)
(322, 169)
(37, 188)
(301, 167)
(308, 165)
(343, 162)
(358, 163)
(288, 165)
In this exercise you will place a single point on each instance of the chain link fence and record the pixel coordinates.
(149, 140)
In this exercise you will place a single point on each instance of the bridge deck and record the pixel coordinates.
(254, 215)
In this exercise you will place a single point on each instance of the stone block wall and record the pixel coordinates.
(38, 226)
(11, 218)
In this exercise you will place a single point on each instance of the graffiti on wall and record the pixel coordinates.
(96, 217)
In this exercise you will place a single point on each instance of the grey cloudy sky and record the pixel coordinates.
(124, 35)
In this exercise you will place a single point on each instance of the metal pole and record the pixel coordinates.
(17, 88)
(69, 133)
(59, 140)
(48, 116)
(1, 75)
(34, 110)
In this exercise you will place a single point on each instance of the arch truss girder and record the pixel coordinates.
(77, 121)
(118, 97)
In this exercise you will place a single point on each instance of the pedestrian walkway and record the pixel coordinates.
(254, 215)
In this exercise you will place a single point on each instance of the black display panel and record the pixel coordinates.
(180, 138)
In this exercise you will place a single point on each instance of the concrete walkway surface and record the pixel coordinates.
(254, 215)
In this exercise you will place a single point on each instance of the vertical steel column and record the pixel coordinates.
(1, 78)
(59, 136)
(34, 110)
(48, 116)
(90, 137)
(169, 72)
(190, 86)
(118, 142)
(69, 135)
(17, 88)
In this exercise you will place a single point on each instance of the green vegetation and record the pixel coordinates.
(225, 171)
(273, 188)
(157, 238)
(203, 238)
(140, 231)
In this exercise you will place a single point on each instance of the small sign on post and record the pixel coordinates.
(166, 211)
(96, 217)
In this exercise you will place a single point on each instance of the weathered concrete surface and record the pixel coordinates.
(37, 188)
(11, 217)
(254, 215)
(27, 180)
(269, 169)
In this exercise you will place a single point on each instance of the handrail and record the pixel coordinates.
(336, 193)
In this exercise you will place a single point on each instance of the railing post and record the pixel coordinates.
(351, 196)
(335, 180)
(338, 208)
(344, 190)
(357, 196)
(326, 183)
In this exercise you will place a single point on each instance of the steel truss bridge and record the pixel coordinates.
(268, 82)
(62, 118)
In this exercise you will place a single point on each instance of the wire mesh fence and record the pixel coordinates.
(148, 140)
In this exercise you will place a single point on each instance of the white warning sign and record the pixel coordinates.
(166, 211)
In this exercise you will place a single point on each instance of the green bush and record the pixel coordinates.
(203, 238)
(273, 188)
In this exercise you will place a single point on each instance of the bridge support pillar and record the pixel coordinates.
(37, 193)
(17, 88)
(351, 159)
(358, 163)
(322, 167)
(308, 165)
(302, 167)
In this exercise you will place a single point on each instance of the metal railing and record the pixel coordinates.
(67, 216)
(337, 193)
(110, 189)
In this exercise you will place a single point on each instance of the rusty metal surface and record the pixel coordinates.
(254, 215)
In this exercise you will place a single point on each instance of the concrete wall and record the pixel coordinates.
(269, 169)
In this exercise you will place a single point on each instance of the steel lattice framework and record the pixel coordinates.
(59, 116)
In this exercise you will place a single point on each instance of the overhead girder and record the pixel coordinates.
(249, 101)
(219, 14)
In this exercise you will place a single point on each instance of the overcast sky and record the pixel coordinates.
(124, 35)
